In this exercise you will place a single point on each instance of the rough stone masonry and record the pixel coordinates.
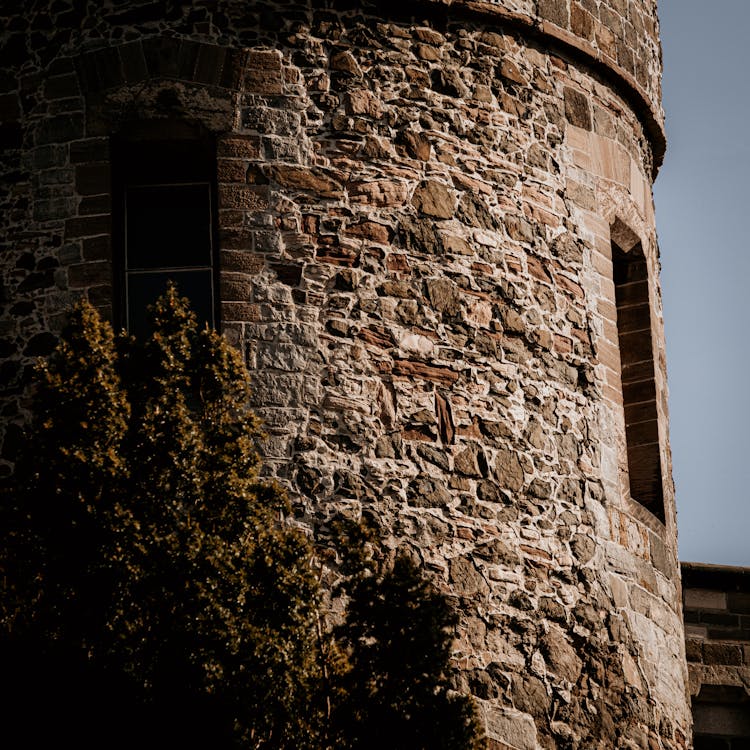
(437, 252)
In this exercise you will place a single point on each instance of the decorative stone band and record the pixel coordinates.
(602, 52)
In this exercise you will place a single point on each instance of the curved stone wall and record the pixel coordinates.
(416, 222)
(624, 34)
(618, 37)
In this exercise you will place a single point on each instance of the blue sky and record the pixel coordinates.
(703, 220)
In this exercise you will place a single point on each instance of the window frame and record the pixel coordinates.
(154, 154)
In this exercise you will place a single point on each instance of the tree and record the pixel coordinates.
(153, 592)
(146, 556)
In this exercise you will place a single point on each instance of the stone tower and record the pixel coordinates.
(429, 227)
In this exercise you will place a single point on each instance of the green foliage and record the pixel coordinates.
(157, 562)
(151, 588)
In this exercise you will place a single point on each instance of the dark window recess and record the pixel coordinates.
(638, 384)
(721, 715)
(164, 193)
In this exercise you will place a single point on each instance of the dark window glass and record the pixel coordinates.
(168, 226)
(164, 192)
(703, 742)
(145, 287)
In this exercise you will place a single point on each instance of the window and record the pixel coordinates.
(721, 715)
(164, 208)
(630, 273)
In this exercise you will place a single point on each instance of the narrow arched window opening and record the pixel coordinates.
(630, 275)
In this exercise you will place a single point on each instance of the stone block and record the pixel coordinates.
(231, 170)
(133, 62)
(606, 41)
(245, 312)
(10, 107)
(723, 619)
(235, 63)
(161, 55)
(278, 148)
(88, 150)
(59, 129)
(738, 601)
(315, 180)
(243, 198)
(87, 226)
(210, 63)
(560, 655)
(722, 653)
(239, 147)
(263, 72)
(61, 87)
(705, 599)
(53, 209)
(510, 728)
(555, 11)
(108, 68)
(694, 649)
(383, 192)
(46, 157)
(93, 179)
(97, 248)
(509, 471)
(696, 631)
(577, 108)
(412, 369)
(96, 204)
(581, 22)
(89, 274)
